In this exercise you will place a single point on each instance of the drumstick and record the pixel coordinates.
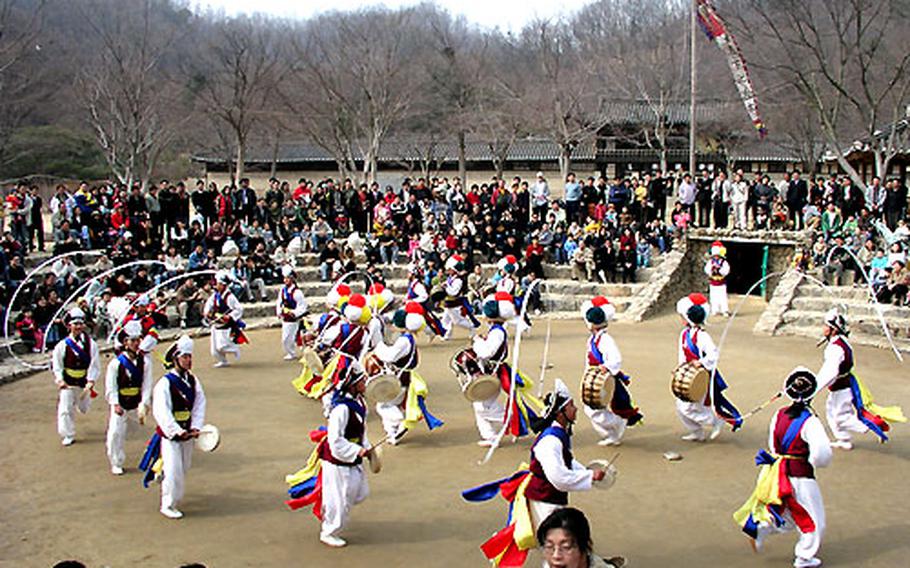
(761, 406)
(613, 460)
(543, 364)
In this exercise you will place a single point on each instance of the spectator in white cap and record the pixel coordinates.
(290, 308)
(540, 196)
(128, 391)
(76, 367)
(179, 410)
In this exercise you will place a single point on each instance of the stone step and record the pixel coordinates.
(855, 308)
(840, 293)
(864, 324)
(856, 337)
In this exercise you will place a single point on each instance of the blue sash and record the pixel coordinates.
(78, 350)
(133, 370)
(187, 392)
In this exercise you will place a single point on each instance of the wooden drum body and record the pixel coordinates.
(690, 382)
(597, 386)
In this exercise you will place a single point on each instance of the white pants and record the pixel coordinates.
(695, 416)
(807, 494)
(289, 337)
(540, 510)
(177, 458)
(489, 415)
(608, 425)
(222, 345)
(739, 215)
(841, 413)
(452, 317)
(69, 400)
(391, 414)
(342, 488)
(718, 298)
(117, 429)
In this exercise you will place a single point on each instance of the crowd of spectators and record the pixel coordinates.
(604, 230)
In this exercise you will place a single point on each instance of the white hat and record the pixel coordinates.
(379, 296)
(693, 308)
(597, 311)
(142, 300)
(127, 235)
(338, 295)
(287, 271)
(222, 277)
(356, 310)
(499, 306)
(132, 329)
(557, 399)
(75, 314)
(508, 263)
(184, 345)
(148, 343)
(718, 249)
(835, 319)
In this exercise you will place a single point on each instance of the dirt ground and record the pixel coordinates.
(61, 503)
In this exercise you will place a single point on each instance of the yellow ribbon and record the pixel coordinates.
(311, 468)
(129, 391)
(888, 413)
(412, 412)
(767, 492)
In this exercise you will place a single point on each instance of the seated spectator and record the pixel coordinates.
(190, 299)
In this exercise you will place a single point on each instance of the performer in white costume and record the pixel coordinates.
(290, 308)
(457, 311)
(224, 311)
(850, 407)
(343, 481)
(717, 269)
(76, 365)
(128, 391)
(609, 422)
(798, 444)
(178, 406)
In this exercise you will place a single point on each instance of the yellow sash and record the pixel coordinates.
(76, 373)
(130, 391)
(181, 415)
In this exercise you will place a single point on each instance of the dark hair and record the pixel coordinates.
(570, 520)
(69, 564)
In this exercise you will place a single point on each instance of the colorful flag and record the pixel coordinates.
(717, 32)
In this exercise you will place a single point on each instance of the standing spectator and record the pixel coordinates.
(703, 201)
(180, 207)
(657, 196)
(849, 199)
(573, 199)
(720, 197)
(153, 205)
(540, 196)
(875, 198)
(36, 228)
(797, 197)
(687, 193)
(739, 197)
(895, 203)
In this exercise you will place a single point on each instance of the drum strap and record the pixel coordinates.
(595, 350)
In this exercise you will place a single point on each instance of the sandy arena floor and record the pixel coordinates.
(61, 503)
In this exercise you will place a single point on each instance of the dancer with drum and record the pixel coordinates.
(606, 400)
(850, 407)
(224, 311)
(290, 308)
(697, 384)
(333, 480)
(379, 299)
(458, 311)
(76, 365)
(717, 269)
(128, 391)
(544, 487)
(316, 353)
(349, 340)
(417, 292)
(787, 495)
(178, 405)
(488, 357)
(404, 403)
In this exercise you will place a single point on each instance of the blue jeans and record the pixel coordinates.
(389, 254)
(325, 270)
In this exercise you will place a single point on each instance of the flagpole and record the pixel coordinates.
(692, 88)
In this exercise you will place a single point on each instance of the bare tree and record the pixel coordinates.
(563, 101)
(352, 65)
(236, 76)
(20, 29)
(848, 61)
(128, 98)
(639, 47)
